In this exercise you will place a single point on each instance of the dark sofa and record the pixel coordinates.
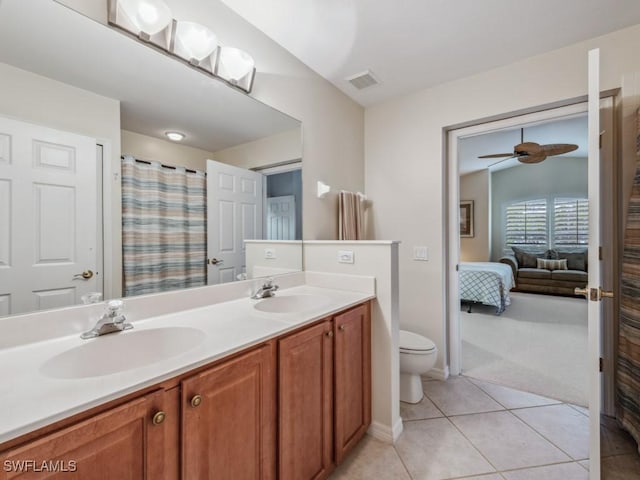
(530, 278)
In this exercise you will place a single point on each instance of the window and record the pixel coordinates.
(570, 222)
(526, 223)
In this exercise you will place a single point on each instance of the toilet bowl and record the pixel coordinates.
(417, 356)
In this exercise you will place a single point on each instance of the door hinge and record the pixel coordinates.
(600, 139)
(600, 254)
(457, 268)
(601, 364)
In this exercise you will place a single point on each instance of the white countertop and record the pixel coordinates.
(30, 398)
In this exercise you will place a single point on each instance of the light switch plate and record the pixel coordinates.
(421, 254)
(345, 256)
(270, 253)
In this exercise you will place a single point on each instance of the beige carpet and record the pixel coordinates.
(539, 345)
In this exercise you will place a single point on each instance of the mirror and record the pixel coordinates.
(89, 182)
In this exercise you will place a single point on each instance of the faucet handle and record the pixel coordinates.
(115, 305)
(268, 283)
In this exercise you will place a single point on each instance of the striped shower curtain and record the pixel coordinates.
(163, 227)
(628, 374)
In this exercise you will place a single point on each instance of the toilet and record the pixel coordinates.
(417, 356)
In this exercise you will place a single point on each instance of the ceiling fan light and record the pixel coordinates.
(147, 16)
(194, 41)
(234, 64)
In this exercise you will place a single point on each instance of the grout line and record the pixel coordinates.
(474, 447)
(540, 466)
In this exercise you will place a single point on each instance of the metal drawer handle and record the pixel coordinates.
(196, 400)
(159, 417)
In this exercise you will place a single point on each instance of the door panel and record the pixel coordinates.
(48, 205)
(234, 214)
(281, 218)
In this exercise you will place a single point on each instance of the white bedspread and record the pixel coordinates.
(487, 283)
(501, 269)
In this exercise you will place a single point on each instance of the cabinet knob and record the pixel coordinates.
(341, 327)
(330, 333)
(159, 417)
(196, 400)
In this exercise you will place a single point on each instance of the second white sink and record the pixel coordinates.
(291, 303)
(119, 352)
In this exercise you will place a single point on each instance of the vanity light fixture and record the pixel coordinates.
(151, 22)
(174, 136)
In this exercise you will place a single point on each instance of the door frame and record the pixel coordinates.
(577, 106)
(283, 167)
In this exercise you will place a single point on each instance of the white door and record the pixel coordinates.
(281, 218)
(48, 205)
(234, 214)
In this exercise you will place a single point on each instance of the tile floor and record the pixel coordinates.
(474, 430)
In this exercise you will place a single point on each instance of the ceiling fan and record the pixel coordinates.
(531, 152)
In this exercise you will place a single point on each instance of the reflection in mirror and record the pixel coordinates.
(95, 198)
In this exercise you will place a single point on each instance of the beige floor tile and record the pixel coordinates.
(493, 476)
(434, 450)
(510, 398)
(585, 464)
(621, 467)
(562, 425)
(458, 396)
(583, 410)
(371, 459)
(507, 442)
(419, 411)
(562, 471)
(613, 439)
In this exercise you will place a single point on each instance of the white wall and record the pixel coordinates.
(32, 98)
(284, 257)
(379, 260)
(476, 186)
(144, 147)
(555, 177)
(283, 147)
(404, 146)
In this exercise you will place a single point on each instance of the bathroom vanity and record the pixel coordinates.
(287, 400)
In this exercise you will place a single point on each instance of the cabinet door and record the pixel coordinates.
(352, 378)
(122, 443)
(228, 428)
(306, 403)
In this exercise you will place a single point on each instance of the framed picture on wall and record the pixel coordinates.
(466, 218)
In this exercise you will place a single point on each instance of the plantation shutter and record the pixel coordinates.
(526, 223)
(571, 222)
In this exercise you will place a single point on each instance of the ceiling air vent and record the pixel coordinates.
(362, 80)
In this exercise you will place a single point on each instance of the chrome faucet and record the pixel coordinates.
(112, 320)
(266, 290)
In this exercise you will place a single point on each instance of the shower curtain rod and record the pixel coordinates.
(171, 167)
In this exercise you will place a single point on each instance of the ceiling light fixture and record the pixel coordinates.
(151, 22)
(174, 136)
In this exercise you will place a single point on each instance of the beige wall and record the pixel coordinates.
(476, 186)
(40, 100)
(144, 147)
(282, 147)
(408, 192)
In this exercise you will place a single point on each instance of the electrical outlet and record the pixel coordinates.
(345, 256)
(270, 253)
(421, 254)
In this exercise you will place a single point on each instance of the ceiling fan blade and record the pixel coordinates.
(530, 159)
(528, 148)
(497, 155)
(558, 148)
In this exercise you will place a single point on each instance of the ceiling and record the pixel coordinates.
(567, 130)
(157, 93)
(414, 44)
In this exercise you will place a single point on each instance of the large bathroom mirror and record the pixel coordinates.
(94, 197)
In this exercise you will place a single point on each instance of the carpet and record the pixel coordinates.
(538, 345)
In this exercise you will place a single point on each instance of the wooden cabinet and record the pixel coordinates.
(228, 419)
(306, 403)
(352, 378)
(122, 443)
(324, 394)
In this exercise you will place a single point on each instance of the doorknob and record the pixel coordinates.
(86, 275)
(605, 294)
(215, 261)
(582, 291)
(593, 294)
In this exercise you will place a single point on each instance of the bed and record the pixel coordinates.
(487, 283)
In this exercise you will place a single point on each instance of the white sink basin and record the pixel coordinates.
(291, 303)
(119, 352)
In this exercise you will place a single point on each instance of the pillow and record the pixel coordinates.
(547, 264)
(527, 259)
(576, 260)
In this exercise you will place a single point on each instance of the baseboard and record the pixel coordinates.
(384, 433)
(439, 373)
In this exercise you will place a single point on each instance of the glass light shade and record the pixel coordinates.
(175, 136)
(148, 16)
(234, 63)
(194, 41)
